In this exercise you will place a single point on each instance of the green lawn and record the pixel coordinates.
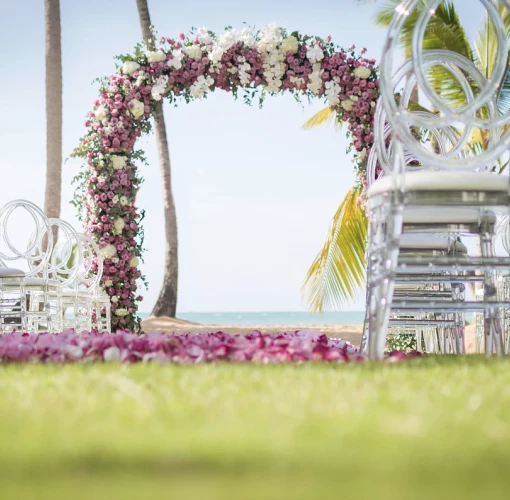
(429, 428)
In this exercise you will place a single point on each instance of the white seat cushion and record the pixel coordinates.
(10, 272)
(438, 215)
(422, 241)
(431, 180)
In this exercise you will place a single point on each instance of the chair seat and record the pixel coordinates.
(421, 241)
(33, 282)
(69, 293)
(440, 181)
(438, 215)
(41, 282)
(10, 272)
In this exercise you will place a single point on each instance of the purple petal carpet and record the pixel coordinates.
(188, 348)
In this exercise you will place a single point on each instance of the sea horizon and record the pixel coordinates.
(271, 318)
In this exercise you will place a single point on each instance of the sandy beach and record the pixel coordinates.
(351, 333)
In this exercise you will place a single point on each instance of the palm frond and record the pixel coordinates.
(486, 52)
(325, 115)
(339, 269)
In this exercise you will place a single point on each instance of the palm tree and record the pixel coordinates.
(324, 285)
(166, 304)
(53, 109)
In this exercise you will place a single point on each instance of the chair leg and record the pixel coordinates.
(492, 317)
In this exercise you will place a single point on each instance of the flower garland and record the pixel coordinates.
(268, 61)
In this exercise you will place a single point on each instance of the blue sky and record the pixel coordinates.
(254, 193)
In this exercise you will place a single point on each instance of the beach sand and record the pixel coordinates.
(351, 333)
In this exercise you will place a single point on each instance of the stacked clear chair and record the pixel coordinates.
(49, 274)
(430, 166)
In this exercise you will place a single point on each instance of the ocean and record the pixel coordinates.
(272, 318)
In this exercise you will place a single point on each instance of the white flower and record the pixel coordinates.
(121, 312)
(112, 353)
(347, 105)
(203, 35)
(270, 35)
(315, 54)
(314, 79)
(216, 54)
(129, 67)
(114, 298)
(332, 91)
(362, 154)
(115, 199)
(118, 162)
(362, 72)
(118, 225)
(201, 86)
(134, 262)
(124, 201)
(290, 44)
(176, 61)
(140, 79)
(101, 113)
(159, 87)
(155, 56)
(194, 51)
(108, 283)
(108, 251)
(115, 260)
(137, 108)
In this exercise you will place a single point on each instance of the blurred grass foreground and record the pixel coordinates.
(426, 428)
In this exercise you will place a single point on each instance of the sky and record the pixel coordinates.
(254, 193)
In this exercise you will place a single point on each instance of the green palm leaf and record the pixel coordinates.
(339, 269)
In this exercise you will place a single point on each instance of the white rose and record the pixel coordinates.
(362, 154)
(115, 199)
(115, 260)
(118, 161)
(118, 225)
(137, 108)
(101, 113)
(362, 72)
(155, 56)
(108, 251)
(108, 283)
(347, 105)
(129, 67)
(124, 200)
(114, 298)
(290, 44)
(121, 312)
(134, 262)
(194, 51)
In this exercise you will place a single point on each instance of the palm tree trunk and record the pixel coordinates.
(166, 304)
(53, 109)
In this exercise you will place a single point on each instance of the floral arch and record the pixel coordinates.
(252, 62)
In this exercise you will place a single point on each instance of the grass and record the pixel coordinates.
(429, 428)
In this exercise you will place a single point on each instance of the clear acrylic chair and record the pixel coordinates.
(87, 307)
(459, 178)
(29, 250)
